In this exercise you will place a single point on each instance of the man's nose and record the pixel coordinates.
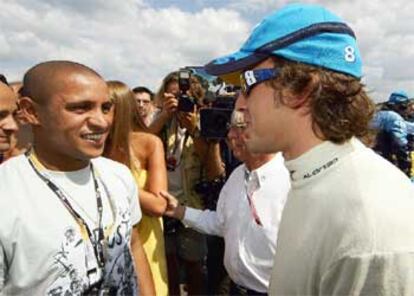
(10, 124)
(141, 103)
(99, 119)
(231, 133)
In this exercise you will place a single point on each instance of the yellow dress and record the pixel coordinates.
(152, 238)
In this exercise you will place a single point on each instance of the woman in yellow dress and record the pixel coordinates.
(143, 153)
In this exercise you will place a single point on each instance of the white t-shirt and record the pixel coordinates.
(249, 247)
(347, 227)
(42, 251)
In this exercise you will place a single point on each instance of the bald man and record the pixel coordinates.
(67, 215)
(8, 126)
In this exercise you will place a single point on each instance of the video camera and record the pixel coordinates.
(185, 102)
(214, 121)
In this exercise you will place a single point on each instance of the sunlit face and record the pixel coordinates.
(267, 125)
(143, 100)
(173, 88)
(74, 123)
(8, 125)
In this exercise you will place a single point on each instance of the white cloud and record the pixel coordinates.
(125, 40)
(133, 41)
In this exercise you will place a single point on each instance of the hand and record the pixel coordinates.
(170, 104)
(174, 209)
(188, 120)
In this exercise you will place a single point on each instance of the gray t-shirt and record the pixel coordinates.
(42, 248)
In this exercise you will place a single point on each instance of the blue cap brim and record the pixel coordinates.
(234, 62)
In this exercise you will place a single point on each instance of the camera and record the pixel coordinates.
(214, 121)
(185, 102)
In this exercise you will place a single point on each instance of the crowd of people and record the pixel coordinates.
(107, 189)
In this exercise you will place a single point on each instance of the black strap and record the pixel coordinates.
(312, 30)
(98, 244)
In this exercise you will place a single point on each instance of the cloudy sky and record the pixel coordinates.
(139, 41)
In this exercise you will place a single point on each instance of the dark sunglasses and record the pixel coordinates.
(251, 78)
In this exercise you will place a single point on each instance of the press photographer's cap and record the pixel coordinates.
(398, 97)
(298, 32)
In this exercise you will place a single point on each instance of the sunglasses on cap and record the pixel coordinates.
(251, 78)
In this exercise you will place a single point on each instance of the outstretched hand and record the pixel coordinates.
(174, 209)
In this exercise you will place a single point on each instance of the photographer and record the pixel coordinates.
(248, 212)
(190, 159)
(392, 140)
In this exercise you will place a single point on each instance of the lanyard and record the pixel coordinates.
(249, 194)
(97, 244)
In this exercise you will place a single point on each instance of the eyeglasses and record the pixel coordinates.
(251, 78)
(142, 102)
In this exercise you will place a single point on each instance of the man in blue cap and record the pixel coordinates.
(347, 225)
(393, 130)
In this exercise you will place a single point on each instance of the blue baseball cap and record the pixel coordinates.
(398, 97)
(304, 33)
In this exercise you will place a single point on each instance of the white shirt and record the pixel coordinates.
(347, 227)
(249, 247)
(42, 250)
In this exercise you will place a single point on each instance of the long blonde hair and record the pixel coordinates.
(117, 145)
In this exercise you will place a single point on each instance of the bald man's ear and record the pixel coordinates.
(29, 110)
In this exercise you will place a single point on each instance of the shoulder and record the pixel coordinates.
(18, 185)
(116, 177)
(146, 140)
(13, 173)
(392, 117)
(12, 167)
(277, 165)
(375, 183)
(112, 170)
(275, 169)
(236, 176)
(108, 163)
(386, 117)
(144, 136)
